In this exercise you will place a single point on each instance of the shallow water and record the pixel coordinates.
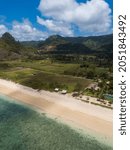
(24, 129)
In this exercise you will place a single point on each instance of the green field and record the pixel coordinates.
(24, 129)
(48, 75)
(40, 65)
(43, 75)
(59, 62)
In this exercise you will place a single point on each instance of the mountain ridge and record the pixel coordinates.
(55, 44)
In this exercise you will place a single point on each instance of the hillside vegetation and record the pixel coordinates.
(70, 63)
(10, 49)
(101, 46)
(74, 45)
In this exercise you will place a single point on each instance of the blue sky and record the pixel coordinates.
(38, 19)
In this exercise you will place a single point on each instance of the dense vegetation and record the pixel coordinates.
(81, 45)
(11, 49)
(44, 74)
(70, 63)
(23, 129)
(98, 45)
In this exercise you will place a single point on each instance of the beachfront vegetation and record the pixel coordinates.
(59, 62)
(43, 74)
(23, 129)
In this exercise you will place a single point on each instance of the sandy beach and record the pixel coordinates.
(64, 107)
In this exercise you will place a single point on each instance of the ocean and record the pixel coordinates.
(22, 128)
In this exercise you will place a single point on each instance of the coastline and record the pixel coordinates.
(65, 108)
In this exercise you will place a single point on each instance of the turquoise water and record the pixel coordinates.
(24, 129)
(108, 96)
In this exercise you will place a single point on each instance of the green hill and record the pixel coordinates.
(11, 49)
(78, 45)
(95, 45)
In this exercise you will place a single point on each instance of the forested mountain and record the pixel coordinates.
(56, 62)
(11, 49)
(79, 45)
(97, 45)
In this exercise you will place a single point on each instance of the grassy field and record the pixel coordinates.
(41, 65)
(24, 129)
(48, 66)
(43, 75)
(48, 75)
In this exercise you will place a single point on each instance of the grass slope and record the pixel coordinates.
(23, 129)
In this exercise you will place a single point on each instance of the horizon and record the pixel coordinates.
(58, 35)
(41, 18)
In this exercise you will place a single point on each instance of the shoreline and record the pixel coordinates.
(63, 108)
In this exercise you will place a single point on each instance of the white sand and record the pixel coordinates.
(64, 107)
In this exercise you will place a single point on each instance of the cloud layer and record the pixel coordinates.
(64, 17)
(23, 31)
(58, 27)
(94, 16)
(3, 29)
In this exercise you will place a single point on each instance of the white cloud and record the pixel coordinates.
(58, 9)
(92, 16)
(56, 26)
(3, 29)
(24, 31)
